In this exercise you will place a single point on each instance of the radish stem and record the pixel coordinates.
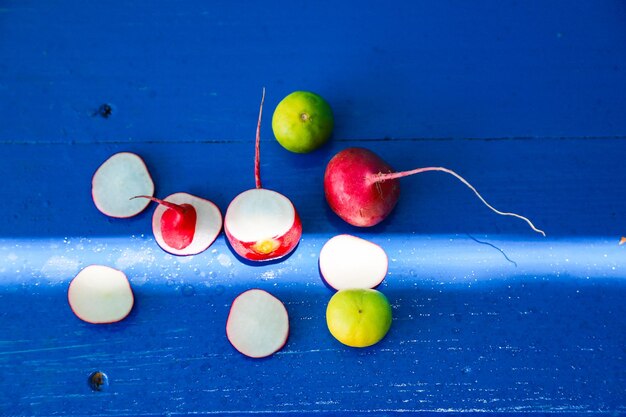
(257, 147)
(179, 209)
(380, 177)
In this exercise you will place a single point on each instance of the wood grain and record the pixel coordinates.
(527, 101)
(193, 71)
(541, 331)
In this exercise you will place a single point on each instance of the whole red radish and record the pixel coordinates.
(261, 224)
(351, 196)
(363, 189)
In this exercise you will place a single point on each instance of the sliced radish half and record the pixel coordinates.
(258, 324)
(100, 294)
(262, 225)
(350, 262)
(121, 177)
(184, 224)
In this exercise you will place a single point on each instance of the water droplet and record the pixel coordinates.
(188, 290)
(98, 381)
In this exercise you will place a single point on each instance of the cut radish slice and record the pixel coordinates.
(262, 224)
(178, 237)
(100, 294)
(351, 262)
(258, 324)
(121, 177)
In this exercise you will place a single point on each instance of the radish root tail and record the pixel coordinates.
(257, 146)
(395, 175)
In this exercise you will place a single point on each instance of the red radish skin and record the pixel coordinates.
(179, 226)
(363, 189)
(178, 223)
(348, 193)
(257, 146)
(184, 225)
(269, 247)
(274, 248)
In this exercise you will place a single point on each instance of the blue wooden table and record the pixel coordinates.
(525, 99)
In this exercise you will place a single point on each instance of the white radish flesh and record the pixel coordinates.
(259, 214)
(121, 177)
(100, 294)
(350, 262)
(258, 324)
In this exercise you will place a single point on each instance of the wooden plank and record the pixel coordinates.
(526, 101)
(570, 188)
(194, 70)
(471, 331)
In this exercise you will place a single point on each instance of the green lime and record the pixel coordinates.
(302, 122)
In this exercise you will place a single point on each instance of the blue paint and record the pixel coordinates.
(470, 330)
(419, 69)
(548, 181)
(527, 102)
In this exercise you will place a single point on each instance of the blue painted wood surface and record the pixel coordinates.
(525, 99)
(185, 72)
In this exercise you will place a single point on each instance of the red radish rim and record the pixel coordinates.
(283, 343)
(130, 288)
(197, 203)
(361, 239)
(93, 197)
(248, 251)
